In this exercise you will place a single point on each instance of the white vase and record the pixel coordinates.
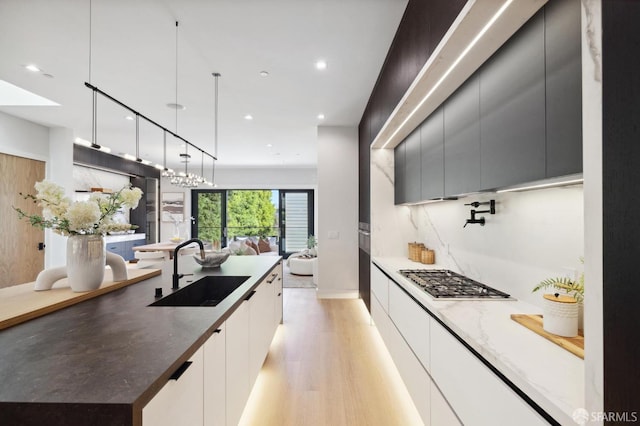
(86, 259)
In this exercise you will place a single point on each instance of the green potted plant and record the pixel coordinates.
(563, 308)
(312, 243)
(572, 287)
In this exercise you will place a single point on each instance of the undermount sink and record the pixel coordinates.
(207, 291)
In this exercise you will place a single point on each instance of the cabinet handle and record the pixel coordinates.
(250, 295)
(180, 371)
(279, 294)
(273, 277)
(217, 331)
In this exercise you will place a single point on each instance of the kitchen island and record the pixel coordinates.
(101, 361)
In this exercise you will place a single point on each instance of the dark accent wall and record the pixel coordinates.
(423, 25)
(621, 204)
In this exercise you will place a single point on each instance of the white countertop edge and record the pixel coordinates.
(123, 237)
(551, 376)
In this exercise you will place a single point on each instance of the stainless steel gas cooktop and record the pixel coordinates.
(443, 284)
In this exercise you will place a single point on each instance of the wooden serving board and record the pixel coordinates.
(22, 303)
(575, 345)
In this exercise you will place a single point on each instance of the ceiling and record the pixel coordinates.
(128, 50)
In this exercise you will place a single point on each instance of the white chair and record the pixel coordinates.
(147, 259)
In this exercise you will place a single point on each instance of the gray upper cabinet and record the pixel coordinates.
(413, 170)
(564, 90)
(516, 120)
(512, 110)
(432, 156)
(462, 139)
(399, 184)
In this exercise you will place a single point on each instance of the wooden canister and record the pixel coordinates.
(415, 250)
(427, 256)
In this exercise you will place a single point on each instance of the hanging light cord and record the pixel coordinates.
(176, 77)
(90, 15)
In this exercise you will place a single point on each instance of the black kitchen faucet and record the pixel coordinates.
(476, 204)
(176, 276)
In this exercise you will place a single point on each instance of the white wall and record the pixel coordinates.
(60, 171)
(23, 138)
(337, 212)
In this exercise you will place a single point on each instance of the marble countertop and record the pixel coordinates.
(551, 376)
(105, 358)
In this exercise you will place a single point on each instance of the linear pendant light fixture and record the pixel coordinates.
(189, 179)
(455, 63)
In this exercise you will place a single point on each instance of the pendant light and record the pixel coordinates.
(216, 76)
(138, 159)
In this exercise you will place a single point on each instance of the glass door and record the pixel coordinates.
(296, 220)
(209, 207)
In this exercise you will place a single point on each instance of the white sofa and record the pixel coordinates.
(243, 245)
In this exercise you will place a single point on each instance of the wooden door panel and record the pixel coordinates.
(20, 259)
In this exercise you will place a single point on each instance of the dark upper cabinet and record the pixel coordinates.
(512, 110)
(399, 185)
(564, 88)
(462, 139)
(412, 167)
(432, 156)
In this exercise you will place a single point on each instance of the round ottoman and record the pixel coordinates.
(301, 265)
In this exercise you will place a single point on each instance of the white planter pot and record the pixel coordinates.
(86, 260)
(560, 315)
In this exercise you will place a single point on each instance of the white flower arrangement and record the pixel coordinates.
(65, 217)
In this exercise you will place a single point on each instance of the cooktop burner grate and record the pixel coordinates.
(444, 284)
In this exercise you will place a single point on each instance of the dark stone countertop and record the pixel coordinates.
(105, 358)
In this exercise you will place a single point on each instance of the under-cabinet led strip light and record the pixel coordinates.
(542, 185)
(488, 25)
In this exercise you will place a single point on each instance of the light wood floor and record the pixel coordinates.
(327, 366)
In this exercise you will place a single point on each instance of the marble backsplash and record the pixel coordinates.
(533, 235)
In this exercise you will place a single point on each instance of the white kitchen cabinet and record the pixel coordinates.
(237, 371)
(180, 401)
(278, 295)
(441, 413)
(477, 395)
(261, 326)
(380, 287)
(413, 374)
(412, 321)
(215, 387)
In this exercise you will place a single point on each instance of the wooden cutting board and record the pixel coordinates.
(575, 345)
(21, 303)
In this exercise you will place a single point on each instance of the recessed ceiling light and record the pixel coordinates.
(128, 117)
(269, 145)
(320, 116)
(248, 117)
(321, 64)
(32, 68)
(173, 105)
(264, 73)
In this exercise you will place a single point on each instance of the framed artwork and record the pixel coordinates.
(172, 206)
